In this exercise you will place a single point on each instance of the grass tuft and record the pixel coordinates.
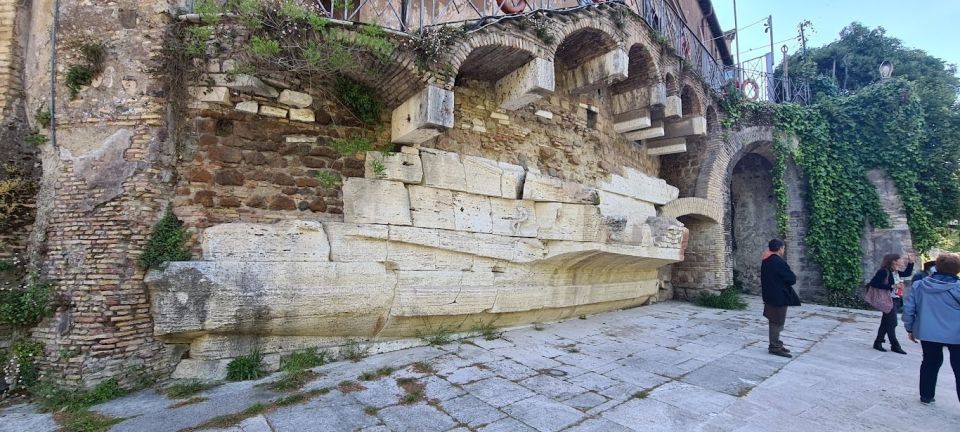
(728, 299)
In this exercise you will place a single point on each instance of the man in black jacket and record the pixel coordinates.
(776, 281)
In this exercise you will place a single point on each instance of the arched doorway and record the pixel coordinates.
(753, 216)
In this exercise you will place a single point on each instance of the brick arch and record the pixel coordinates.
(691, 102)
(721, 156)
(492, 44)
(597, 37)
(713, 119)
(699, 208)
(643, 69)
(673, 86)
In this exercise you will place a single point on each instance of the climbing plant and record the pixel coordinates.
(840, 139)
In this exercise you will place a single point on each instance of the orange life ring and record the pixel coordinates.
(507, 7)
(750, 82)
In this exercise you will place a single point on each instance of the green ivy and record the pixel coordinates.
(168, 242)
(360, 99)
(840, 139)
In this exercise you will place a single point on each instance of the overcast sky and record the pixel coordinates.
(931, 25)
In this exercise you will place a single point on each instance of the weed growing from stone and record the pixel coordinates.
(379, 169)
(442, 335)
(43, 118)
(293, 380)
(414, 390)
(353, 351)
(643, 394)
(168, 242)
(423, 367)
(248, 367)
(191, 401)
(744, 391)
(28, 304)
(573, 349)
(183, 389)
(360, 99)
(228, 420)
(583, 317)
(36, 138)
(352, 145)
(728, 298)
(370, 411)
(350, 386)
(304, 359)
(486, 330)
(84, 421)
(327, 179)
(538, 326)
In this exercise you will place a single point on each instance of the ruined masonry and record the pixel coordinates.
(539, 179)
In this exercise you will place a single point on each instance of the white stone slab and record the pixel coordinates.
(295, 240)
(511, 181)
(443, 170)
(294, 98)
(472, 213)
(690, 125)
(673, 108)
(357, 242)
(654, 131)
(423, 116)
(218, 95)
(526, 85)
(564, 221)
(483, 176)
(513, 217)
(638, 185)
(375, 201)
(541, 187)
(431, 207)
(402, 167)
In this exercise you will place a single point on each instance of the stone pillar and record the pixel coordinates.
(423, 116)
(526, 85)
(105, 183)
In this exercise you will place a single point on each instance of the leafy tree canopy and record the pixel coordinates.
(852, 63)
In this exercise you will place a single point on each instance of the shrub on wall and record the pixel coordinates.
(168, 242)
(840, 139)
(27, 305)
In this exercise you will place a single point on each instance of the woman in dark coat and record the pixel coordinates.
(887, 278)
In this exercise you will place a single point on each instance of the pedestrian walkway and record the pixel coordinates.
(667, 367)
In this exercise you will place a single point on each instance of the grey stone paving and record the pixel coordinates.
(666, 367)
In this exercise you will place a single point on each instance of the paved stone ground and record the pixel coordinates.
(667, 367)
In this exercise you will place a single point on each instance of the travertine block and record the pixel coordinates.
(402, 167)
(666, 146)
(690, 125)
(296, 99)
(483, 176)
(541, 187)
(357, 242)
(638, 185)
(431, 207)
(632, 120)
(526, 85)
(375, 201)
(513, 217)
(673, 108)
(244, 83)
(423, 116)
(608, 68)
(217, 95)
(654, 131)
(302, 115)
(294, 241)
(270, 111)
(511, 181)
(442, 170)
(472, 213)
(251, 107)
(563, 221)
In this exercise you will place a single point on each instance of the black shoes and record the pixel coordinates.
(897, 349)
(782, 352)
(927, 401)
(878, 345)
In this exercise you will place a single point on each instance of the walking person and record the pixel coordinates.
(776, 282)
(932, 315)
(887, 278)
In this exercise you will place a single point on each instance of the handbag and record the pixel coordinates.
(878, 298)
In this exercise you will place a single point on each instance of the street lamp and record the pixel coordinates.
(886, 69)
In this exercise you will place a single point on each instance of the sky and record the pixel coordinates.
(930, 25)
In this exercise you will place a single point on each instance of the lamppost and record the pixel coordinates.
(886, 69)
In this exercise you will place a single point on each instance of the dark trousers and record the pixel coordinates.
(932, 359)
(888, 328)
(777, 315)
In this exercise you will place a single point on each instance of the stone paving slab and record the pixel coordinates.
(667, 367)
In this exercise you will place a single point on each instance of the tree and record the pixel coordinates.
(852, 63)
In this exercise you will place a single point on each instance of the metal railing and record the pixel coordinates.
(408, 15)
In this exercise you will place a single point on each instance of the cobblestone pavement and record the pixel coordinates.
(666, 367)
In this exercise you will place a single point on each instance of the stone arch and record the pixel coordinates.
(580, 41)
(717, 163)
(642, 70)
(481, 54)
(697, 208)
(399, 78)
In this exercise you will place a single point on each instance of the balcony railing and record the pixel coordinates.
(408, 15)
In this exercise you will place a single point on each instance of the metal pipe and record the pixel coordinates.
(53, 73)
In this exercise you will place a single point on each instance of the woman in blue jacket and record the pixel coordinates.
(932, 315)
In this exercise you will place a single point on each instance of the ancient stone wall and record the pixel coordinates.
(753, 210)
(877, 242)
